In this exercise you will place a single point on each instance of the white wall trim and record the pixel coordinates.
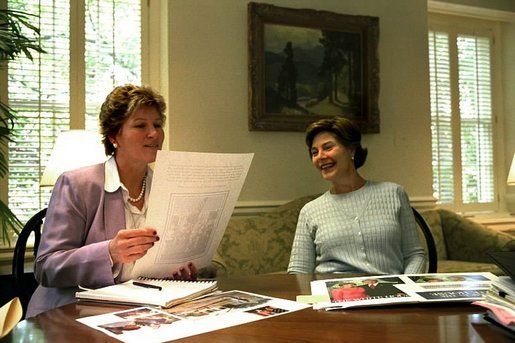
(423, 202)
(469, 11)
(252, 208)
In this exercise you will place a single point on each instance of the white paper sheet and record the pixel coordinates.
(192, 199)
(10, 315)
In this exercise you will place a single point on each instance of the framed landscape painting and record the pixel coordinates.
(305, 65)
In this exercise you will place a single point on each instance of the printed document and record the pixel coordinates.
(191, 201)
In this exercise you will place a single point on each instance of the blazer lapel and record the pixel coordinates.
(114, 213)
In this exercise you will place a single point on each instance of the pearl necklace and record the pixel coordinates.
(143, 187)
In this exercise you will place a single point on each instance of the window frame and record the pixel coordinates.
(454, 25)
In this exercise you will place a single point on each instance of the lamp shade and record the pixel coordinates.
(511, 174)
(73, 149)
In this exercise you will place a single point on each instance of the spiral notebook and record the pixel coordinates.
(155, 292)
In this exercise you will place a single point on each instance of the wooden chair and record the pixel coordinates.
(26, 283)
(430, 242)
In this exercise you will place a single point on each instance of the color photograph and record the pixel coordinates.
(364, 289)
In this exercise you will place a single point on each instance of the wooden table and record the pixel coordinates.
(406, 323)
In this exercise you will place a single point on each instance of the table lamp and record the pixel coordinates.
(511, 174)
(73, 149)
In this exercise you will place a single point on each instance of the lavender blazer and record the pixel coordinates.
(81, 219)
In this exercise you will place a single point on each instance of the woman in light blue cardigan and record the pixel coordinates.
(358, 225)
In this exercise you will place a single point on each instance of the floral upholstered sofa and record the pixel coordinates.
(262, 244)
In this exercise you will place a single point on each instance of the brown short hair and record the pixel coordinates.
(345, 131)
(120, 104)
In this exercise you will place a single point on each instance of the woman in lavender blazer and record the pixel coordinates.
(95, 224)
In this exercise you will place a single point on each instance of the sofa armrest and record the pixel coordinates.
(469, 241)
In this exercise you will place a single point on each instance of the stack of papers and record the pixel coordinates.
(500, 302)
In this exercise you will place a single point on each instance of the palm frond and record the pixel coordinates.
(18, 35)
(7, 119)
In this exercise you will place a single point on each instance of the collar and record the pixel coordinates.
(112, 178)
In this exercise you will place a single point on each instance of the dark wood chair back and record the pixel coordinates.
(430, 242)
(26, 283)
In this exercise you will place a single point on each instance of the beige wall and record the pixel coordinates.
(508, 84)
(208, 96)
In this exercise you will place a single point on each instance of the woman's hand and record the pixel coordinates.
(188, 273)
(129, 245)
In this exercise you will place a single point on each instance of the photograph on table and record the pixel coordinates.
(368, 288)
(430, 278)
(266, 311)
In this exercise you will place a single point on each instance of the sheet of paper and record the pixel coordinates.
(192, 199)
(10, 315)
(313, 299)
(207, 314)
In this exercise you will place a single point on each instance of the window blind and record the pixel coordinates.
(470, 120)
(476, 119)
(441, 115)
(40, 90)
(113, 35)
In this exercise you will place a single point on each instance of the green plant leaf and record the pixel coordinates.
(13, 40)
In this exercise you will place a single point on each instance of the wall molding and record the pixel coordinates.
(423, 202)
(252, 208)
(469, 11)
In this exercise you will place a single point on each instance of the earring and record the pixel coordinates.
(352, 158)
(115, 145)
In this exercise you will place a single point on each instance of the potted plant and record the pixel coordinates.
(17, 36)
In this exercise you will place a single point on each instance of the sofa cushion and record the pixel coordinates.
(257, 246)
(261, 244)
(434, 222)
(469, 241)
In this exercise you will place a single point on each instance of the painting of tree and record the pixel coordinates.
(306, 65)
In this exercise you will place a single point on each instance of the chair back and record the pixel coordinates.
(25, 284)
(430, 242)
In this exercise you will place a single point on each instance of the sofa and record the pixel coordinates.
(261, 244)
(462, 244)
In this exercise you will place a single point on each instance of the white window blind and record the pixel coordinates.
(461, 119)
(441, 114)
(475, 119)
(40, 90)
(113, 34)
